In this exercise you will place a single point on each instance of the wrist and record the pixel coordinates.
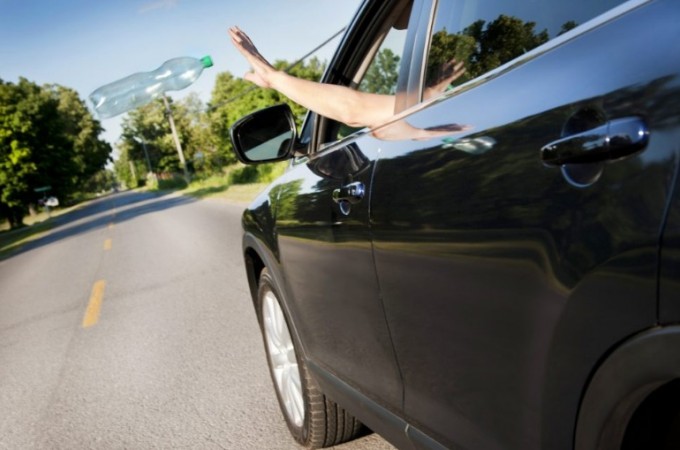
(276, 79)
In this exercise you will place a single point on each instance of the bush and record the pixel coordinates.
(171, 181)
(257, 173)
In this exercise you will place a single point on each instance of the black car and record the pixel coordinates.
(497, 266)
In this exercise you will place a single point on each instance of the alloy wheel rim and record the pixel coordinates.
(283, 359)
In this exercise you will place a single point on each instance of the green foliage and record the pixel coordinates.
(47, 138)
(381, 77)
(257, 173)
(567, 26)
(483, 46)
(128, 170)
(90, 153)
(446, 47)
(500, 41)
(203, 131)
(232, 98)
(172, 182)
(146, 132)
(102, 181)
(311, 70)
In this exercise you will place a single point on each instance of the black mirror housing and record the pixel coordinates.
(267, 135)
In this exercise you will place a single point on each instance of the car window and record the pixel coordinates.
(380, 68)
(383, 71)
(484, 34)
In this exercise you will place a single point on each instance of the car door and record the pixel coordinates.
(323, 237)
(510, 260)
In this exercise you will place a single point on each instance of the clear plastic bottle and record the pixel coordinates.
(140, 88)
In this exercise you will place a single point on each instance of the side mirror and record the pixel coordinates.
(267, 135)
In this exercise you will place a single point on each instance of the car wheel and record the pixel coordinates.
(314, 420)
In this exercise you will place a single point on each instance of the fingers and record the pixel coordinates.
(245, 46)
(241, 40)
(260, 67)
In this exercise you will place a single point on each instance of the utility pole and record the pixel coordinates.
(133, 171)
(146, 155)
(176, 138)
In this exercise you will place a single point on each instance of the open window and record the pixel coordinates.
(370, 60)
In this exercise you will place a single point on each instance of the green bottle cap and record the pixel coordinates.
(207, 61)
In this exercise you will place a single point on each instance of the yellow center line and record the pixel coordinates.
(107, 244)
(95, 305)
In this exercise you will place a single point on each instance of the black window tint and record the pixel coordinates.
(484, 34)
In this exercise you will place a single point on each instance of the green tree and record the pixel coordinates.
(567, 26)
(444, 48)
(126, 169)
(147, 127)
(233, 98)
(500, 41)
(102, 181)
(381, 77)
(47, 138)
(90, 154)
(202, 145)
(229, 101)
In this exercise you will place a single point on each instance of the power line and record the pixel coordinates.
(287, 69)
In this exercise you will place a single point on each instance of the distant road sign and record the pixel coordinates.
(43, 189)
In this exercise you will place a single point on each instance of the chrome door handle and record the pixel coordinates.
(614, 140)
(352, 193)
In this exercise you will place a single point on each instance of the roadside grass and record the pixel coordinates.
(12, 240)
(219, 188)
(36, 226)
(238, 184)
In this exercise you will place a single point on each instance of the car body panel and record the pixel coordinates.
(329, 273)
(669, 284)
(491, 260)
(473, 293)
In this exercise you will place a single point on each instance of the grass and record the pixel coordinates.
(218, 186)
(39, 224)
(12, 240)
(236, 193)
(238, 184)
(36, 226)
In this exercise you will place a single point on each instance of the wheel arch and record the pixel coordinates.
(257, 256)
(622, 382)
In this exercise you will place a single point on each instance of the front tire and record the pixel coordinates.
(314, 420)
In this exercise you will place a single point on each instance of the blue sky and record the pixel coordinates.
(83, 44)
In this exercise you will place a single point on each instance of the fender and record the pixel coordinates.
(631, 372)
(260, 249)
(259, 242)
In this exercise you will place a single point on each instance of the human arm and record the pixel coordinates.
(349, 106)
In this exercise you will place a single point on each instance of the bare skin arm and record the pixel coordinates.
(354, 108)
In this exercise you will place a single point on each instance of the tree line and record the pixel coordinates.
(52, 145)
(146, 144)
(49, 145)
(50, 140)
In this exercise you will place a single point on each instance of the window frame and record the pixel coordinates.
(356, 45)
(419, 61)
(356, 51)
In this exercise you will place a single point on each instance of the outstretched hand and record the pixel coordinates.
(260, 67)
(448, 73)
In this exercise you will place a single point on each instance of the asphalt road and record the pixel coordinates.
(129, 325)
